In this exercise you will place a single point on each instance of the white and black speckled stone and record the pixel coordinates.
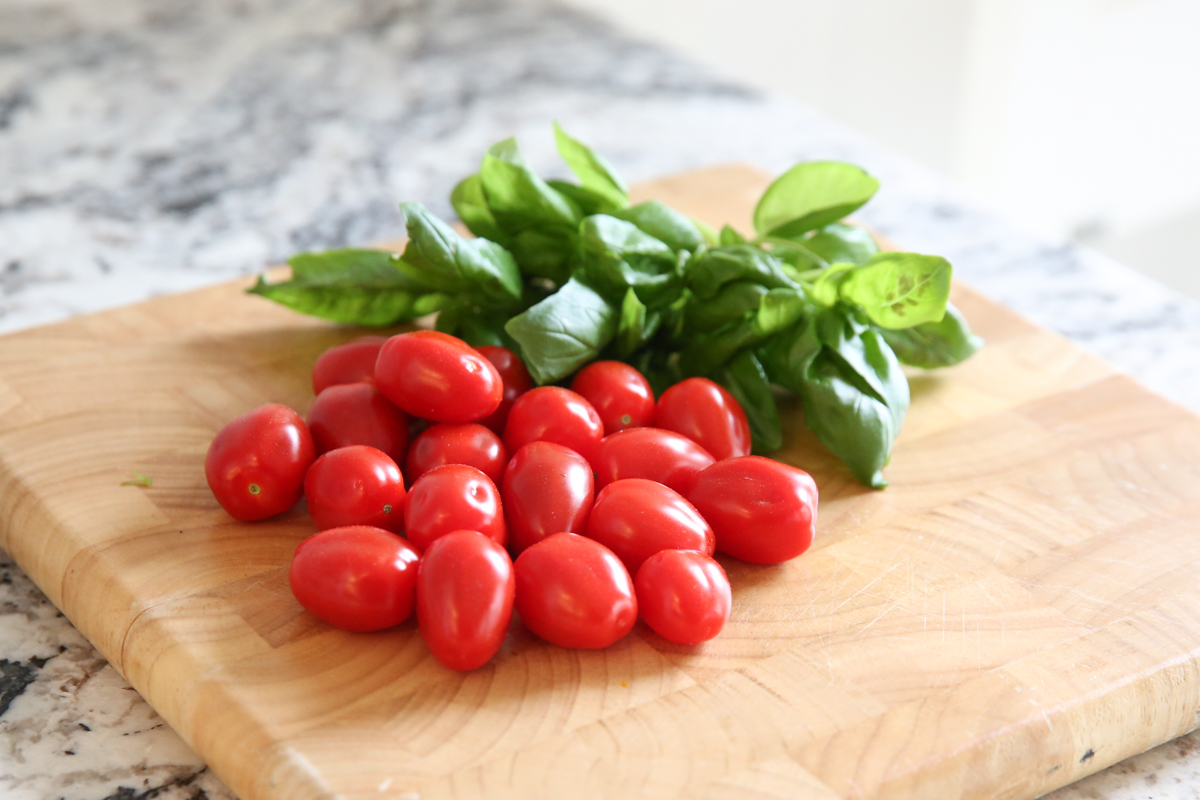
(152, 147)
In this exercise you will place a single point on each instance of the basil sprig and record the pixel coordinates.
(568, 272)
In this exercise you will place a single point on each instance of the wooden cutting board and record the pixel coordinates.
(1021, 608)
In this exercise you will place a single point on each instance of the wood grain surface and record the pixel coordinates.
(1021, 608)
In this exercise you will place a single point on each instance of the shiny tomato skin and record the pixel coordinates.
(356, 485)
(439, 377)
(547, 489)
(706, 413)
(635, 518)
(554, 414)
(761, 511)
(357, 578)
(465, 590)
(358, 413)
(352, 362)
(620, 394)
(457, 443)
(684, 596)
(574, 592)
(652, 453)
(255, 465)
(453, 497)
(516, 383)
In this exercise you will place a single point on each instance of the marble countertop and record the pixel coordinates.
(153, 147)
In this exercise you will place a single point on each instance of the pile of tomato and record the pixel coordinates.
(581, 508)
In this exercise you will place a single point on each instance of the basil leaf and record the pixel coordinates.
(591, 168)
(935, 344)
(839, 242)
(796, 254)
(636, 326)
(437, 256)
(355, 287)
(474, 325)
(733, 301)
(712, 269)
(730, 236)
(471, 206)
(780, 308)
(787, 355)
(617, 255)
(868, 361)
(746, 380)
(855, 426)
(664, 223)
(711, 237)
(544, 253)
(517, 197)
(589, 201)
(826, 288)
(812, 195)
(899, 290)
(563, 332)
(706, 355)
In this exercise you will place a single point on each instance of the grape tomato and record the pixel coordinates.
(457, 443)
(438, 377)
(652, 453)
(554, 414)
(547, 489)
(684, 596)
(358, 413)
(352, 362)
(706, 413)
(255, 465)
(619, 393)
(451, 498)
(515, 378)
(635, 518)
(355, 485)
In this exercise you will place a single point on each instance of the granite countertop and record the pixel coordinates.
(153, 147)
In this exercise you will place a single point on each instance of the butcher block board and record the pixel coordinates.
(1019, 609)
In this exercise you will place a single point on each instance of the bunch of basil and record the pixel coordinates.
(565, 273)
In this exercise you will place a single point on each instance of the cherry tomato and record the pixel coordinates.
(436, 376)
(357, 578)
(352, 362)
(453, 497)
(618, 392)
(707, 414)
(683, 596)
(464, 598)
(574, 592)
(255, 466)
(457, 443)
(356, 485)
(516, 383)
(761, 511)
(358, 413)
(547, 489)
(663, 456)
(554, 414)
(635, 518)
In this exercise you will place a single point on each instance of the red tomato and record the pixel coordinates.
(358, 413)
(437, 376)
(464, 598)
(547, 489)
(457, 443)
(635, 518)
(707, 414)
(554, 414)
(453, 497)
(355, 485)
(357, 578)
(255, 466)
(573, 592)
(351, 362)
(652, 453)
(516, 383)
(618, 392)
(761, 511)
(683, 596)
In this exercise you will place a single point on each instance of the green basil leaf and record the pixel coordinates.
(796, 254)
(517, 197)
(707, 354)
(471, 206)
(439, 257)
(812, 195)
(354, 287)
(730, 236)
(636, 325)
(733, 301)
(711, 237)
(826, 288)
(544, 253)
(712, 269)
(840, 242)
(747, 381)
(563, 332)
(589, 201)
(476, 326)
(787, 355)
(617, 256)
(899, 290)
(781, 308)
(591, 168)
(857, 427)
(935, 344)
(664, 223)
(868, 361)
